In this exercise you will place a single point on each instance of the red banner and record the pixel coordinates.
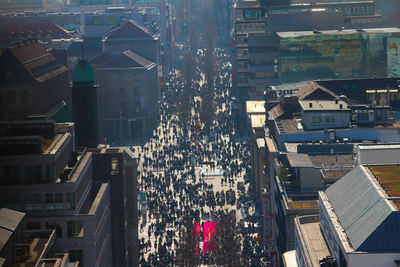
(210, 230)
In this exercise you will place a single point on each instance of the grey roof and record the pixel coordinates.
(299, 160)
(4, 237)
(10, 219)
(367, 217)
(328, 105)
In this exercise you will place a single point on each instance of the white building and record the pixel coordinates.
(359, 220)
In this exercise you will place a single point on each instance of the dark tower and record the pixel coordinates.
(84, 104)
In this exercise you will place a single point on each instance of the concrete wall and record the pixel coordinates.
(342, 119)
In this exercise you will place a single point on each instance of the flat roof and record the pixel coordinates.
(289, 258)
(10, 219)
(255, 107)
(271, 145)
(299, 160)
(313, 240)
(316, 105)
(375, 146)
(260, 142)
(388, 178)
(332, 161)
(257, 121)
(337, 32)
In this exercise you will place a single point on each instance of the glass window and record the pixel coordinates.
(11, 96)
(24, 96)
(37, 171)
(75, 229)
(70, 201)
(49, 170)
(114, 166)
(56, 227)
(76, 255)
(54, 201)
(99, 20)
(111, 20)
(33, 226)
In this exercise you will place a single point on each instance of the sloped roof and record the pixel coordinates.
(24, 29)
(10, 219)
(130, 29)
(368, 219)
(314, 91)
(286, 107)
(37, 61)
(127, 59)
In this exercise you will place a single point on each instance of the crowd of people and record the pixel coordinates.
(177, 173)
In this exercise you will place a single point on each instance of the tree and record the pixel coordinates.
(209, 66)
(184, 101)
(188, 253)
(227, 240)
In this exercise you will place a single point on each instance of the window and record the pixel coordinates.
(33, 226)
(28, 170)
(54, 201)
(121, 92)
(11, 98)
(24, 96)
(76, 255)
(75, 229)
(243, 64)
(55, 226)
(12, 201)
(37, 171)
(70, 201)
(242, 52)
(114, 166)
(142, 102)
(121, 77)
(111, 20)
(49, 170)
(33, 201)
(99, 20)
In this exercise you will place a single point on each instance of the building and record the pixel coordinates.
(47, 178)
(135, 37)
(118, 167)
(128, 96)
(259, 55)
(70, 21)
(25, 248)
(33, 81)
(84, 105)
(378, 154)
(357, 222)
(40, 31)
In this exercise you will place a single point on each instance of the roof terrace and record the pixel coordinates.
(389, 179)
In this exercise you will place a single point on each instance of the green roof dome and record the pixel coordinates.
(83, 72)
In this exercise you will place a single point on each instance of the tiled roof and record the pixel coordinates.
(15, 30)
(368, 219)
(127, 59)
(39, 63)
(130, 29)
(313, 88)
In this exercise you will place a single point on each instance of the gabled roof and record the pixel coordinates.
(127, 59)
(36, 60)
(130, 29)
(25, 29)
(367, 217)
(286, 107)
(314, 91)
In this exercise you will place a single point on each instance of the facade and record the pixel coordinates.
(84, 105)
(135, 37)
(354, 233)
(44, 176)
(118, 167)
(32, 80)
(128, 96)
(23, 248)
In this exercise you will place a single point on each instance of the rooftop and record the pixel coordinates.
(126, 59)
(323, 105)
(257, 121)
(361, 210)
(389, 179)
(310, 235)
(338, 32)
(255, 107)
(130, 29)
(10, 219)
(32, 30)
(38, 62)
(299, 160)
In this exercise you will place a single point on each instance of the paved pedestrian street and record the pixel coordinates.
(194, 175)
